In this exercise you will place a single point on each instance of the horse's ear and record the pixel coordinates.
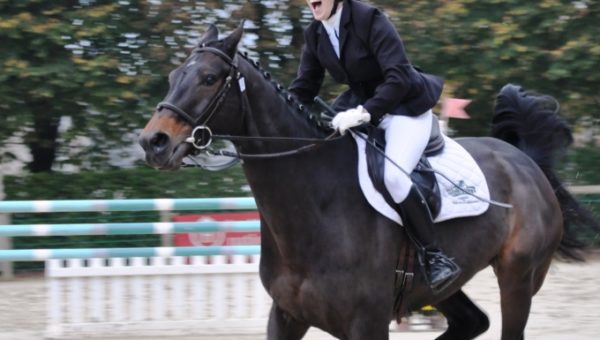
(211, 34)
(232, 41)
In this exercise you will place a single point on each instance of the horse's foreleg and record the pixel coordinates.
(465, 319)
(282, 326)
(369, 327)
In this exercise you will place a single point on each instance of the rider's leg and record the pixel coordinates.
(406, 139)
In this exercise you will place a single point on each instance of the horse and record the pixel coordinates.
(328, 259)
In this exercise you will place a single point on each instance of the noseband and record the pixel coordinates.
(201, 130)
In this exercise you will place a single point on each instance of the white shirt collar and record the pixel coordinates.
(333, 24)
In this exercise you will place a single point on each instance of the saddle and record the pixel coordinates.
(422, 176)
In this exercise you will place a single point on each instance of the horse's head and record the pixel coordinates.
(199, 90)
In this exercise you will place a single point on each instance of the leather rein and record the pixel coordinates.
(202, 136)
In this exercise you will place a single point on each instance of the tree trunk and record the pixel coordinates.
(42, 141)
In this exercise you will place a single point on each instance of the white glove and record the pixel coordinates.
(350, 118)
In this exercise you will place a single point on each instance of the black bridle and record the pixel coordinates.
(200, 124)
(202, 136)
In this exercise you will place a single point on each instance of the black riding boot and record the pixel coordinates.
(440, 270)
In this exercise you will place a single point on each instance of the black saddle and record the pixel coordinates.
(421, 176)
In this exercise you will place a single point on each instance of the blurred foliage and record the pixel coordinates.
(549, 46)
(100, 66)
(96, 68)
(127, 183)
(581, 166)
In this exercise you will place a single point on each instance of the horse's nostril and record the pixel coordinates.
(159, 141)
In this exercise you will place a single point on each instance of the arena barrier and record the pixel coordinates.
(155, 296)
(162, 291)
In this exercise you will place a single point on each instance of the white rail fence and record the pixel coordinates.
(164, 296)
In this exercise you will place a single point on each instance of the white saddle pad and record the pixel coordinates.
(456, 164)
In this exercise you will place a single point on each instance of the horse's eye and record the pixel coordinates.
(210, 79)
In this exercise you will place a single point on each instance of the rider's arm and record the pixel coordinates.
(310, 75)
(401, 80)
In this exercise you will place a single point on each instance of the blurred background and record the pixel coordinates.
(79, 79)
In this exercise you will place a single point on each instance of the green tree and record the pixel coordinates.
(93, 62)
(550, 46)
(102, 65)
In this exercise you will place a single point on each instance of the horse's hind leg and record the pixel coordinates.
(516, 292)
(521, 269)
(519, 279)
(465, 319)
(282, 326)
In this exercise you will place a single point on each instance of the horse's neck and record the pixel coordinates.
(271, 115)
(286, 188)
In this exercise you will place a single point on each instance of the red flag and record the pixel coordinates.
(455, 108)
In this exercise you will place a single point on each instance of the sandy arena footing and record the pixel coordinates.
(567, 307)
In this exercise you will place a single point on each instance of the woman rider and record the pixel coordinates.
(360, 47)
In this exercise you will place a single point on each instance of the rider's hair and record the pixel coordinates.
(334, 8)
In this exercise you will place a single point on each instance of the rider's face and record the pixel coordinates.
(321, 9)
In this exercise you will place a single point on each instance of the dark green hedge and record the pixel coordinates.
(581, 166)
(127, 183)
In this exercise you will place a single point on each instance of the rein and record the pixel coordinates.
(202, 136)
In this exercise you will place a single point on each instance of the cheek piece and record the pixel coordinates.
(334, 8)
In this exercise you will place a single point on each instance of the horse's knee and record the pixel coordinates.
(283, 326)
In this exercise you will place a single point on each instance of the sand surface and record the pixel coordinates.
(567, 307)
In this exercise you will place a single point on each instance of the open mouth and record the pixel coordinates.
(174, 161)
(179, 153)
(315, 5)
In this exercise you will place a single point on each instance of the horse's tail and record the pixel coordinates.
(531, 123)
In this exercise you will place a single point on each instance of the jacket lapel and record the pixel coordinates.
(328, 56)
(344, 26)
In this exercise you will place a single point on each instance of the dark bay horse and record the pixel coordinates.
(328, 258)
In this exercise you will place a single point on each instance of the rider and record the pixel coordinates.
(360, 47)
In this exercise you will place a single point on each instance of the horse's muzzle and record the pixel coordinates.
(154, 143)
(161, 151)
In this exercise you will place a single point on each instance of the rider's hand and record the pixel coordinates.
(350, 118)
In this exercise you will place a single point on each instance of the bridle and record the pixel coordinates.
(202, 136)
(200, 124)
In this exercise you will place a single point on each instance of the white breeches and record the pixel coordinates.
(406, 138)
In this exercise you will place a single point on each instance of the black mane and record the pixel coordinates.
(312, 117)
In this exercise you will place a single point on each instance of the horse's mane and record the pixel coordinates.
(311, 117)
